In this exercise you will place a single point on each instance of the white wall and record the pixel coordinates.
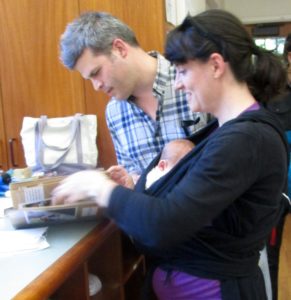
(249, 11)
(260, 11)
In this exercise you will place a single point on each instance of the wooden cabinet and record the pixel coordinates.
(102, 250)
(118, 278)
(33, 81)
(114, 260)
(3, 149)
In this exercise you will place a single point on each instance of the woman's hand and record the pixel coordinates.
(83, 185)
(120, 176)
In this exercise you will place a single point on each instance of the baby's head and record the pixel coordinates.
(173, 152)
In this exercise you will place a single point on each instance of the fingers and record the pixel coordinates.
(81, 186)
(63, 195)
(115, 170)
(74, 188)
(118, 174)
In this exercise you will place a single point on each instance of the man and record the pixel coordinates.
(145, 111)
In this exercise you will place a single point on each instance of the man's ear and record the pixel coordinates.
(162, 165)
(218, 64)
(120, 47)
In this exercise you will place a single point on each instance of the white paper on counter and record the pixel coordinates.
(4, 204)
(13, 242)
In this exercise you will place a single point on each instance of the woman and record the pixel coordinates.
(281, 106)
(204, 222)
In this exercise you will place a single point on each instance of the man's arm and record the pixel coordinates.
(123, 157)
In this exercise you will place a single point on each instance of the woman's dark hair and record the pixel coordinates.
(218, 31)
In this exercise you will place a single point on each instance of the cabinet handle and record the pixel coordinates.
(11, 142)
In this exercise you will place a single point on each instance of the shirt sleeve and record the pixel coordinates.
(122, 157)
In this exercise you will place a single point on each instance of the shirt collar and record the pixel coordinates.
(163, 73)
(162, 78)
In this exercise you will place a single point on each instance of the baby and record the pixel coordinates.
(171, 155)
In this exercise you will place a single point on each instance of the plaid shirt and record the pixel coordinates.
(137, 138)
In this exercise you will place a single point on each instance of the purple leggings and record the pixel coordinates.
(182, 286)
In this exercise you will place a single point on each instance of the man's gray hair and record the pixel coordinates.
(93, 30)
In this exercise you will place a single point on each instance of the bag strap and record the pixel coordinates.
(40, 145)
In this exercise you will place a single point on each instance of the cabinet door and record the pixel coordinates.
(146, 18)
(33, 81)
(3, 152)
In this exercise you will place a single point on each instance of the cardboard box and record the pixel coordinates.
(34, 190)
(32, 207)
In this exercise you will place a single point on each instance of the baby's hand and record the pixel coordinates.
(120, 176)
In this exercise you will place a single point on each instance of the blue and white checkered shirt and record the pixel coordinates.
(137, 138)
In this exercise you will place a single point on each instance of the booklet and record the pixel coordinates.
(42, 213)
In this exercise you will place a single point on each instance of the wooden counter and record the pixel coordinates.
(61, 271)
